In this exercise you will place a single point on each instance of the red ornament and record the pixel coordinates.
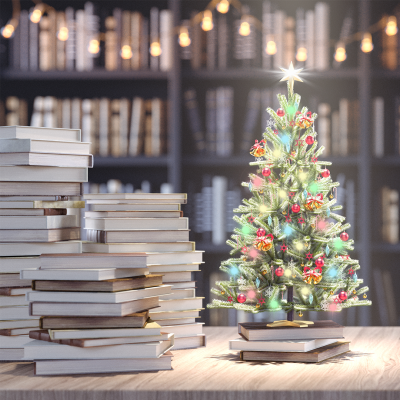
(295, 208)
(283, 247)
(230, 299)
(266, 171)
(261, 232)
(314, 159)
(280, 112)
(344, 236)
(261, 300)
(241, 298)
(309, 140)
(319, 262)
(279, 271)
(245, 249)
(325, 173)
(342, 295)
(309, 256)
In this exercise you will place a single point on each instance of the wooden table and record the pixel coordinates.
(370, 371)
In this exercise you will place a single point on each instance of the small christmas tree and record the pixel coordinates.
(293, 247)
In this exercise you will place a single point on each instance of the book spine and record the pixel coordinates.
(136, 127)
(267, 33)
(44, 44)
(219, 188)
(115, 128)
(66, 114)
(207, 208)
(310, 28)
(70, 45)
(60, 59)
(344, 126)
(33, 45)
(166, 40)
(321, 36)
(195, 61)
(124, 127)
(289, 41)
(117, 14)
(211, 121)
(111, 50)
(300, 33)
(211, 46)
(279, 33)
(126, 37)
(223, 41)
(154, 36)
(24, 40)
(397, 124)
(136, 26)
(144, 44)
(324, 136)
(92, 23)
(80, 40)
(156, 110)
(335, 133)
(252, 115)
(192, 107)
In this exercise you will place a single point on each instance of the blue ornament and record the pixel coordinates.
(310, 298)
(355, 277)
(328, 212)
(305, 193)
(269, 220)
(258, 282)
(327, 250)
(250, 186)
(288, 148)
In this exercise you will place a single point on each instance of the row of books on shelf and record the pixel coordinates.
(116, 127)
(69, 40)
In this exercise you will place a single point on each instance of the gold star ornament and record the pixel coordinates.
(291, 75)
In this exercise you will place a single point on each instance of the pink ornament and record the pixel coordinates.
(279, 271)
(319, 262)
(241, 298)
(280, 112)
(325, 173)
(342, 295)
(309, 140)
(344, 236)
(266, 171)
(261, 232)
(295, 208)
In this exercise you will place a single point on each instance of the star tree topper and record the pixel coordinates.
(291, 75)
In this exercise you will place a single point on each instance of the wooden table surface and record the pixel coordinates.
(370, 371)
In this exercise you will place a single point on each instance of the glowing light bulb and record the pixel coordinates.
(302, 176)
(263, 208)
(366, 43)
(207, 23)
(36, 15)
(62, 34)
(276, 153)
(244, 29)
(7, 31)
(223, 6)
(305, 291)
(299, 246)
(126, 52)
(340, 54)
(94, 46)
(282, 194)
(155, 49)
(391, 26)
(184, 39)
(271, 48)
(301, 54)
(288, 272)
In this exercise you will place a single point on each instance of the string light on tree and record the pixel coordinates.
(223, 6)
(207, 23)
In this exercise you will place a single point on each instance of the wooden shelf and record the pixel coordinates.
(140, 161)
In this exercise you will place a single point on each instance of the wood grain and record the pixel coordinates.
(370, 371)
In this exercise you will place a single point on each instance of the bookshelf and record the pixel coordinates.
(361, 80)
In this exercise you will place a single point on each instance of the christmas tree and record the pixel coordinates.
(291, 250)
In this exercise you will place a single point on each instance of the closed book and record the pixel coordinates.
(137, 236)
(13, 313)
(7, 301)
(158, 268)
(41, 350)
(81, 274)
(45, 222)
(12, 280)
(111, 285)
(190, 342)
(135, 207)
(43, 146)
(19, 324)
(299, 345)
(319, 330)
(93, 309)
(193, 114)
(136, 134)
(132, 214)
(183, 330)
(180, 276)
(180, 304)
(211, 121)
(15, 332)
(45, 174)
(116, 224)
(40, 188)
(135, 320)
(180, 294)
(163, 315)
(11, 354)
(378, 115)
(166, 40)
(15, 342)
(321, 36)
(138, 247)
(31, 212)
(35, 249)
(41, 204)
(13, 265)
(176, 321)
(43, 235)
(93, 297)
(76, 367)
(30, 132)
(178, 257)
(93, 260)
(183, 285)
(43, 159)
(14, 291)
(313, 356)
(176, 197)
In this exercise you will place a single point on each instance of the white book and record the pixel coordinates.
(30, 132)
(135, 207)
(184, 330)
(8, 301)
(344, 106)
(135, 196)
(219, 188)
(42, 174)
(43, 146)
(15, 264)
(190, 342)
(123, 127)
(335, 133)
(180, 304)
(166, 40)
(14, 312)
(36, 121)
(118, 224)
(136, 127)
(184, 257)
(31, 204)
(324, 134)
(80, 40)
(183, 285)
(14, 342)
(74, 367)
(180, 294)
(176, 321)
(81, 274)
(35, 249)
(302, 345)
(88, 247)
(93, 297)
(322, 45)
(157, 268)
(11, 354)
(41, 350)
(132, 214)
(279, 34)
(66, 115)
(104, 126)
(20, 323)
(164, 315)
(181, 276)
(39, 222)
(378, 114)
(310, 39)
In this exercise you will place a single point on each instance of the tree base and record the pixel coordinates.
(295, 324)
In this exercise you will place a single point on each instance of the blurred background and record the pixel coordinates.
(172, 94)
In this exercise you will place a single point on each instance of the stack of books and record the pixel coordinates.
(153, 223)
(94, 311)
(315, 343)
(41, 175)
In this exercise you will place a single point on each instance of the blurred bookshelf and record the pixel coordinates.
(361, 78)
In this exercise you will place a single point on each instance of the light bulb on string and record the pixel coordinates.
(270, 49)
(155, 49)
(7, 31)
(126, 52)
(184, 39)
(301, 54)
(94, 47)
(63, 34)
(391, 26)
(36, 15)
(207, 23)
(244, 29)
(340, 54)
(223, 6)
(366, 43)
